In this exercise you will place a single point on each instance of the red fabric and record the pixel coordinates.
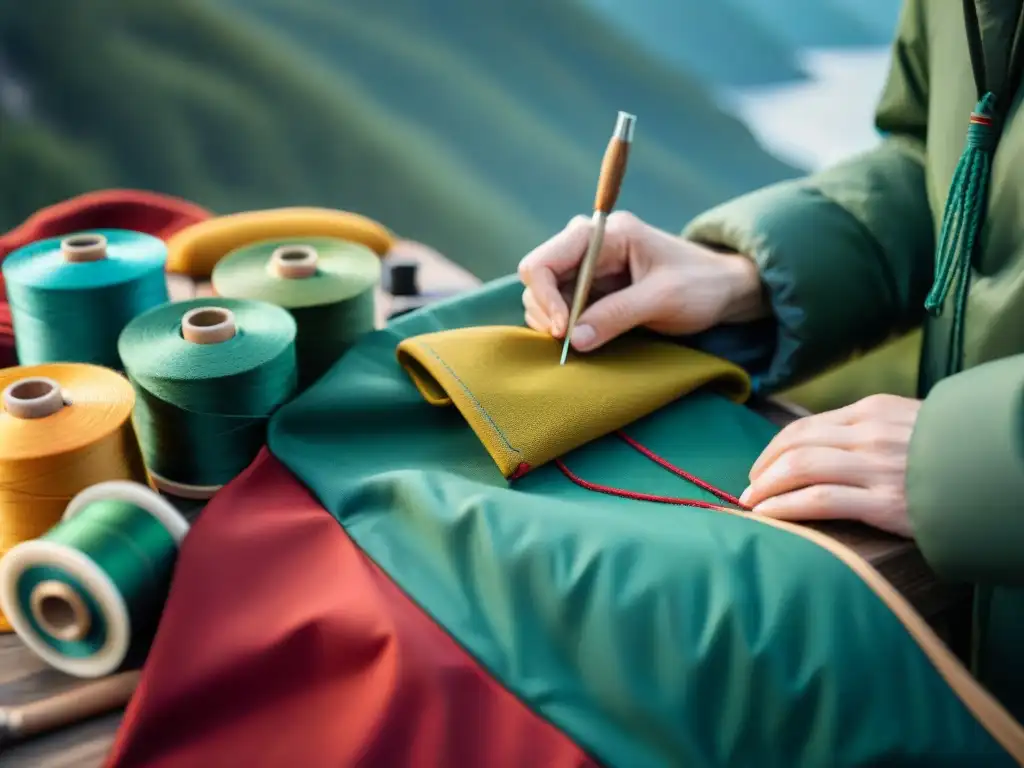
(282, 644)
(149, 212)
(135, 209)
(7, 355)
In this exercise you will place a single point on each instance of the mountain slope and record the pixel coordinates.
(811, 23)
(879, 15)
(475, 130)
(710, 40)
(526, 92)
(185, 100)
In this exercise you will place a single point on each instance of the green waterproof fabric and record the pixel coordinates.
(652, 635)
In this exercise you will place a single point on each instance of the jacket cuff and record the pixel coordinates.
(749, 345)
(820, 266)
(965, 475)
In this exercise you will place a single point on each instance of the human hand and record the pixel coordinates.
(643, 277)
(848, 464)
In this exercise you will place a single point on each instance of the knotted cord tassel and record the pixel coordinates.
(963, 217)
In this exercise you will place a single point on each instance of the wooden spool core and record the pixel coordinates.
(79, 248)
(208, 325)
(293, 261)
(60, 611)
(33, 398)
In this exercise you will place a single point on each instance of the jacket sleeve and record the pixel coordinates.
(965, 476)
(846, 255)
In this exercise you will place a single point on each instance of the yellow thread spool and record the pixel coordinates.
(195, 250)
(63, 428)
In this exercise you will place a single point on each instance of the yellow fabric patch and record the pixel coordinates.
(527, 409)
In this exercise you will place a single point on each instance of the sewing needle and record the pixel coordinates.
(613, 169)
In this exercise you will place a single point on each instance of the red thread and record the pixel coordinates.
(980, 119)
(521, 470)
(666, 464)
(634, 495)
(637, 496)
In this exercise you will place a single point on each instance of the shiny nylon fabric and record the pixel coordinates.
(281, 644)
(652, 635)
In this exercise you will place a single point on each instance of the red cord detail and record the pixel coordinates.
(637, 496)
(634, 495)
(666, 464)
(521, 470)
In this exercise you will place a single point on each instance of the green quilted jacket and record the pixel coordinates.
(848, 256)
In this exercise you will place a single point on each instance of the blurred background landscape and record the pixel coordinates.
(474, 126)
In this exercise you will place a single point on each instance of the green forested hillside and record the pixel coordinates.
(526, 92)
(181, 98)
(477, 131)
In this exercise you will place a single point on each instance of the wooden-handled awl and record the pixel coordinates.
(613, 169)
(80, 703)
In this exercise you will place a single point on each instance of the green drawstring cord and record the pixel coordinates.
(962, 221)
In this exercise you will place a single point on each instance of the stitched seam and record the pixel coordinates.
(473, 400)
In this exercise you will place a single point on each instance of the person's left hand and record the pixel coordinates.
(848, 464)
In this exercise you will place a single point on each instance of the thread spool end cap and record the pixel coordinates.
(294, 261)
(60, 611)
(33, 398)
(208, 325)
(85, 247)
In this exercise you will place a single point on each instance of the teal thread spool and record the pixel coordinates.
(327, 284)
(207, 373)
(71, 297)
(87, 596)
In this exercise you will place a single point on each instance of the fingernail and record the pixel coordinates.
(557, 327)
(582, 336)
(745, 497)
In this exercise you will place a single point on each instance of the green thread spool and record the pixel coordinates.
(87, 596)
(327, 284)
(70, 297)
(207, 373)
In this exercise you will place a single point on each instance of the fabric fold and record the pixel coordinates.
(527, 409)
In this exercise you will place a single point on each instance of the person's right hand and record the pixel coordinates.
(643, 277)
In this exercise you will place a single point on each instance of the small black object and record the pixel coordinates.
(402, 278)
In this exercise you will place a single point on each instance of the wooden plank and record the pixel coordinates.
(24, 678)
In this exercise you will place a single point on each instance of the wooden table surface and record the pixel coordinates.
(25, 678)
